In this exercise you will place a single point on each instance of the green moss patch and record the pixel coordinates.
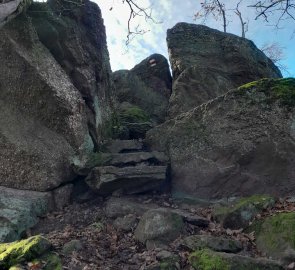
(241, 212)
(24, 250)
(52, 262)
(205, 260)
(275, 234)
(281, 89)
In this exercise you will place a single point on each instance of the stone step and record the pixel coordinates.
(129, 180)
(123, 146)
(131, 159)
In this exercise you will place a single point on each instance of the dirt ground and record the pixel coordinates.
(105, 247)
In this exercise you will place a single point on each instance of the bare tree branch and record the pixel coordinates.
(215, 8)
(268, 8)
(244, 25)
(137, 10)
(275, 52)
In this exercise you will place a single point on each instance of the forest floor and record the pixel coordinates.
(105, 247)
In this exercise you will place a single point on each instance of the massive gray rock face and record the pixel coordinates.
(147, 85)
(9, 9)
(239, 144)
(75, 36)
(45, 125)
(207, 63)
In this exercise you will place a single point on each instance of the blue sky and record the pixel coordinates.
(167, 13)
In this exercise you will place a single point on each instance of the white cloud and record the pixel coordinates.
(169, 12)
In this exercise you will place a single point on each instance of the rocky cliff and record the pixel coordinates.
(55, 93)
(207, 63)
(222, 141)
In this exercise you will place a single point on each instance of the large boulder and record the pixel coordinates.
(75, 36)
(45, 124)
(147, 85)
(207, 63)
(241, 143)
(19, 211)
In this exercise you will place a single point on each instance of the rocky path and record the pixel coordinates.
(131, 221)
(103, 234)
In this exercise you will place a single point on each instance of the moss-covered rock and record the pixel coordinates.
(206, 259)
(239, 214)
(238, 144)
(25, 250)
(135, 120)
(147, 85)
(274, 89)
(275, 234)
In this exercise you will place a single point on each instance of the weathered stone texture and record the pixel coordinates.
(147, 85)
(241, 143)
(207, 63)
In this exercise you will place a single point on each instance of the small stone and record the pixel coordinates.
(120, 207)
(288, 256)
(62, 196)
(159, 224)
(71, 246)
(155, 244)
(126, 223)
(164, 254)
(194, 242)
(192, 218)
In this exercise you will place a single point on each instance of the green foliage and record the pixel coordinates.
(284, 89)
(134, 114)
(98, 225)
(204, 259)
(274, 89)
(113, 127)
